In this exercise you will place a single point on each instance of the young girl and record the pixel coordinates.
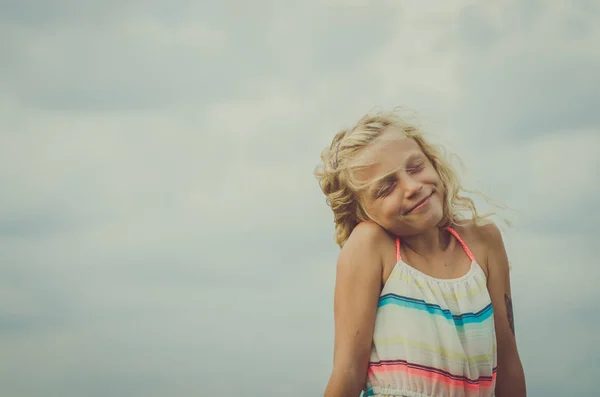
(422, 302)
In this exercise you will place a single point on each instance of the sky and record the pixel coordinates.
(161, 229)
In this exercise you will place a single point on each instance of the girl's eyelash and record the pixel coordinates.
(384, 190)
(416, 167)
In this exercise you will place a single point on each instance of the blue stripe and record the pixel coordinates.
(459, 320)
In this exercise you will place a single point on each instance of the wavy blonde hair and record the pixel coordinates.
(337, 177)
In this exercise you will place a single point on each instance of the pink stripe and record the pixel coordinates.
(397, 368)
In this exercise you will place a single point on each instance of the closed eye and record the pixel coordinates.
(384, 190)
(416, 168)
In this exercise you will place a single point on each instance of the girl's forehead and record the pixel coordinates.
(393, 151)
(387, 155)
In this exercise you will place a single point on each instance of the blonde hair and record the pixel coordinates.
(342, 188)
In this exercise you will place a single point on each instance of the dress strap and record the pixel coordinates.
(453, 232)
(467, 250)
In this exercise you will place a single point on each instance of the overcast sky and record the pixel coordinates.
(161, 231)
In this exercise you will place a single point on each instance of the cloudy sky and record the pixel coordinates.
(161, 231)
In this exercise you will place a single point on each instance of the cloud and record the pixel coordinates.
(161, 229)
(116, 57)
(535, 73)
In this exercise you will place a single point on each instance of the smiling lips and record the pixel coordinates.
(420, 204)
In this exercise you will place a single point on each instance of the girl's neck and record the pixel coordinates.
(428, 243)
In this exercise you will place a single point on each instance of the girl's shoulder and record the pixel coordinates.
(361, 255)
(481, 239)
(371, 233)
(368, 235)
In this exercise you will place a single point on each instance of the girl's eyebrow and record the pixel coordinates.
(414, 156)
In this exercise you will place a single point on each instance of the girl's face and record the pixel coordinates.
(409, 199)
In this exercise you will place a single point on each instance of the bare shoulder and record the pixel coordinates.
(365, 236)
(489, 233)
(483, 240)
(368, 229)
(485, 235)
(364, 245)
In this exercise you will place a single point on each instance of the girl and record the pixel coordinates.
(422, 301)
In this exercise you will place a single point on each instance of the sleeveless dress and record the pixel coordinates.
(433, 337)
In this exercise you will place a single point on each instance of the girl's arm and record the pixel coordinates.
(357, 289)
(510, 380)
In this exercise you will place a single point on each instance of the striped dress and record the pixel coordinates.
(433, 337)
